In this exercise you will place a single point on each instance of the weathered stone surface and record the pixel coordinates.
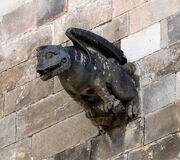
(45, 113)
(9, 6)
(1, 104)
(173, 28)
(27, 94)
(18, 75)
(114, 30)
(7, 130)
(164, 33)
(57, 85)
(159, 94)
(159, 64)
(165, 149)
(162, 122)
(118, 141)
(72, 4)
(178, 86)
(19, 21)
(18, 52)
(151, 12)
(18, 151)
(122, 6)
(80, 152)
(84, 17)
(143, 43)
(64, 135)
(48, 10)
(120, 157)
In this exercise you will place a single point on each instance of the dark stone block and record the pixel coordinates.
(165, 149)
(49, 9)
(174, 28)
(81, 152)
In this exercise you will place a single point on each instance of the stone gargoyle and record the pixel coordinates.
(95, 73)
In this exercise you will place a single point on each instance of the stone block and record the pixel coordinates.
(84, 17)
(27, 94)
(118, 141)
(45, 113)
(48, 10)
(68, 133)
(19, 21)
(122, 6)
(76, 4)
(151, 12)
(159, 94)
(173, 28)
(162, 122)
(80, 152)
(9, 6)
(114, 30)
(159, 64)
(178, 86)
(7, 130)
(1, 104)
(165, 149)
(164, 33)
(143, 43)
(19, 51)
(17, 76)
(57, 85)
(18, 151)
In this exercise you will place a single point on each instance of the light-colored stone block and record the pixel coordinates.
(84, 17)
(162, 122)
(159, 94)
(45, 113)
(66, 134)
(178, 86)
(18, 151)
(7, 130)
(143, 43)
(74, 4)
(152, 12)
(1, 104)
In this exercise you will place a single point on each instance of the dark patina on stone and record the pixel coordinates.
(95, 73)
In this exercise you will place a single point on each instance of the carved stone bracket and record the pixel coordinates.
(95, 73)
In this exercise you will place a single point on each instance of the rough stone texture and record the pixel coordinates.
(74, 4)
(17, 22)
(162, 122)
(159, 64)
(151, 12)
(7, 130)
(57, 85)
(117, 141)
(165, 149)
(114, 30)
(17, 52)
(48, 10)
(120, 157)
(84, 17)
(159, 94)
(80, 152)
(178, 86)
(122, 6)
(18, 75)
(18, 151)
(143, 43)
(1, 104)
(173, 28)
(45, 113)
(164, 33)
(9, 6)
(27, 94)
(64, 135)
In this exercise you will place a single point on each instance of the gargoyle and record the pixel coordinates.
(104, 89)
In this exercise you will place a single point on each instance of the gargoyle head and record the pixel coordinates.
(52, 60)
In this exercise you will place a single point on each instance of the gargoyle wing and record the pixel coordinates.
(87, 40)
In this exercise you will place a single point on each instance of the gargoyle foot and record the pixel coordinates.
(118, 107)
(90, 114)
(108, 106)
(132, 108)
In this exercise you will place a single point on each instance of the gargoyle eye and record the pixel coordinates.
(49, 55)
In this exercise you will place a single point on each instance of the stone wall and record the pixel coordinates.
(39, 121)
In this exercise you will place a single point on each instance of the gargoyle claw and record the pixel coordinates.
(90, 114)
